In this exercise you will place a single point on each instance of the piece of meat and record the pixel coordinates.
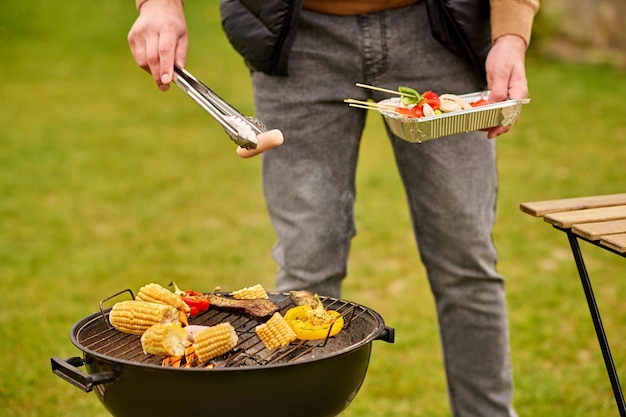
(258, 307)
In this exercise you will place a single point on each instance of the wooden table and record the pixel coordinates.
(601, 221)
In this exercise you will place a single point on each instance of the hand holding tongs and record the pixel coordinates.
(241, 129)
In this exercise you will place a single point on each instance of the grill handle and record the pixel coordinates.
(387, 334)
(68, 370)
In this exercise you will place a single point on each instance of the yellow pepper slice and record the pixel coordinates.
(314, 323)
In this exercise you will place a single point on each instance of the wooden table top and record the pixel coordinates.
(597, 218)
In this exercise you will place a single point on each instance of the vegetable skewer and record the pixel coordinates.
(413, 104)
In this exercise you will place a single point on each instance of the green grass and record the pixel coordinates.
(107, 183)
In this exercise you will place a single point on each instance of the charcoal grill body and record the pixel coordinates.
(314, 389)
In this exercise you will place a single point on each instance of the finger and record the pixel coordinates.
(267, 140)
(138, 50)
(152, 57)
(518, 87)
(498, 87)
(167, 47)
(497, 131)
(181, 51)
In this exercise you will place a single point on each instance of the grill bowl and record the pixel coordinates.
(320, 383)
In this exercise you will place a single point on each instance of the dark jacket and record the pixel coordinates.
(463, 27)
(263, 31)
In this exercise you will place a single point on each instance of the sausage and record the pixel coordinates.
(266, 141)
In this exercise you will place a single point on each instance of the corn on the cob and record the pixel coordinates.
(275, 333)
(165, 339)
(132, 316)
(155, 293)
(214, 341)
(250, 293)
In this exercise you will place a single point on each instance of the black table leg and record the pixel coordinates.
(597, 323)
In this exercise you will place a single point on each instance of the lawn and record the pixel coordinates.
(107, 183)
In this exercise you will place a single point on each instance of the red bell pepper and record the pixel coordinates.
(478, 103)
(405, 111)
(197, 301)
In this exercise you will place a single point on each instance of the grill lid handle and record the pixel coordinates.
(67, 370)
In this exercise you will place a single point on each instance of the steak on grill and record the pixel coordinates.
(258, 307)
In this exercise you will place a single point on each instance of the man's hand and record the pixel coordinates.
(506, 73)
(158, 39)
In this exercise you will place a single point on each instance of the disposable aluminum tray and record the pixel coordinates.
(504, 113)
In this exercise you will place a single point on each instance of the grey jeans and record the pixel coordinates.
(451, 185)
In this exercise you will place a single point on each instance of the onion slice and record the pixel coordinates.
(192, 329)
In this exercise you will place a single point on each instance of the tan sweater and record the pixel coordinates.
(508, 17)
(350, 7)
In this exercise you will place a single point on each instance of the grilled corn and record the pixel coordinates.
(275, 333)
(132, 316)
(165, 339)
(250, 293)
(214, 341)
(155, 293)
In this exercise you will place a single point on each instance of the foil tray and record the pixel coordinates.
(416, 130)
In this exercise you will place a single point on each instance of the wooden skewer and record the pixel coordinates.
(369, 105)
(360, 106)
(379, 108)
(384, 90)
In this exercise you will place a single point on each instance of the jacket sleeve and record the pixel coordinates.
(513, 17)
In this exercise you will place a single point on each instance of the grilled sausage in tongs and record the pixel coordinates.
(248, 133)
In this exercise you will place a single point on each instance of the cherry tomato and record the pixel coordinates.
(430, 98)
(418, 110)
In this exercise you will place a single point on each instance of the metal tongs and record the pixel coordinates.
(241, 129)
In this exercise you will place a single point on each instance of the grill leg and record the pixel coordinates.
(597, 323)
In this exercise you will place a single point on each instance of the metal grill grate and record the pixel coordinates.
(97, 336)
